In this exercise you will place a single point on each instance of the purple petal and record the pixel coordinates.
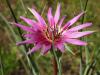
(45, 49)
(38, 46)
(61, 21)
(33, 37)
(78, 34)
(50, 17)
(25, 42)
(27, 20)
(35, 25)
(60, 46)
(79, 27)
(72, 21)
(25, 28)
(76, 42)
(28, 35)
(57, 14)
(38, 17)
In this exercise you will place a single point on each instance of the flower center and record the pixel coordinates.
(49, 31)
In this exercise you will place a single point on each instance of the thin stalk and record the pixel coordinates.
(20, 33)
(58, 69)
(56, 60)
(81, 63)
(15, 19)
(83, 9)
(86, 48)
(87, 53)
(55, 66)
(82, 20)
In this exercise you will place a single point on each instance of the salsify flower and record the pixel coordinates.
(40, 33)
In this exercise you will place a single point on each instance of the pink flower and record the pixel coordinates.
(40, 33)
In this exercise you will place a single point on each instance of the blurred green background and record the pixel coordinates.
(12, 59)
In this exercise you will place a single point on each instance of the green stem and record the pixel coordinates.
(86, 48)
(83, 9)
(87, 53)
(55, 66)
(57, 59)
(81, 58)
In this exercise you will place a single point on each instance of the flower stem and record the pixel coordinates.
(82, 20)
(86, 48)
(55, 66)
(56, 61)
